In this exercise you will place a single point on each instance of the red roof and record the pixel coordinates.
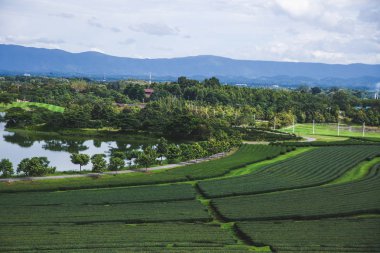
(148, 90)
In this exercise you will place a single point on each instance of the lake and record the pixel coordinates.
(17, 146)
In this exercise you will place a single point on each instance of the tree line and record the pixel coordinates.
(148, 156)
(118, 104)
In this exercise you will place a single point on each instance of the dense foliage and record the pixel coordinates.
(6, 168)
(35, 166)
(184, 109)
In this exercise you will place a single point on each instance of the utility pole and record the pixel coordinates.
(274, 123)
(338, 128)
(293, 125)
(363, 129)
(313, 126)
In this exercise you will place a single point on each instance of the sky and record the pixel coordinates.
(328, 31)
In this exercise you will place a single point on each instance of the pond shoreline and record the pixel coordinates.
(87, 133)
(17, 144)
(96, 175)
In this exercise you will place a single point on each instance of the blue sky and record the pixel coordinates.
(330, 31)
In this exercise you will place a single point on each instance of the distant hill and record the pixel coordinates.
(39, 61)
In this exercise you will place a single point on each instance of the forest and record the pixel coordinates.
(186, 109)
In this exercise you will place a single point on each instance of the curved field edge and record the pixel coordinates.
(314, 168)
(170, 235)
(358, 172)
(240, 238)
(247, 154)
(255, 166)
(355, 198)
(328, 235)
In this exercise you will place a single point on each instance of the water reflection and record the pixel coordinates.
(20, 145)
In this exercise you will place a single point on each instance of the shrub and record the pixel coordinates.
(116, 164)
(35, 166)
(6, 168)
(99, 164)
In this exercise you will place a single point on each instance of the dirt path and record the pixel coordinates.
(169, 166)
(256, 142)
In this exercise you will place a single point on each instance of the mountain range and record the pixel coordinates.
(16, 60)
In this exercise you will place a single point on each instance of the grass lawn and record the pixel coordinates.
(50, 107)
(322, 130)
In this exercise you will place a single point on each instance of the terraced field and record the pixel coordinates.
(121, 195)
(308, 169)
(186, 210)
(176, 237)
(357, 197)
(354, 235)
(297, 204)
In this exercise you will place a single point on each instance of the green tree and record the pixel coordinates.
(99, 164)
(128, 119)
(212, 82)
(35, 166)
(174, 152)
(147, 158)
(316, 90)
(116, 164)
(81, 159)
(198, 150)
(7, 98)
(162, 147)
(135, 92)
(187, 152)
(119, 154)
(79, 85)
(132, 154)
(6, 168)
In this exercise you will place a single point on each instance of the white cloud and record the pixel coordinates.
(127, 41)
(63, 15)
(332, 31)
(155, 29)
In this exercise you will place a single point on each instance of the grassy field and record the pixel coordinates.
(50, 107)
(321, 131)
(322, 199)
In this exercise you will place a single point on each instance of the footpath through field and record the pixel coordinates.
(168, 166)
